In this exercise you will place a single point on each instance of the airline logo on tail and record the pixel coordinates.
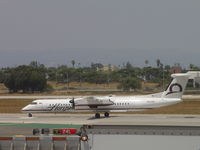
(175, 88)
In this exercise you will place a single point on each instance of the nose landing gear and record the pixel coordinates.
(30, 115)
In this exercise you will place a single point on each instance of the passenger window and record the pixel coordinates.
(34, 103)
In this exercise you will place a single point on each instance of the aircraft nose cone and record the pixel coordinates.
(25, 108)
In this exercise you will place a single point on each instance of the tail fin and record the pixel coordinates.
(176, 88)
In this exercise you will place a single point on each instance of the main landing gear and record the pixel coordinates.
(97, 115)
(106, 114)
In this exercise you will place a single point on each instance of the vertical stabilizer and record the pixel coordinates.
(177, 86)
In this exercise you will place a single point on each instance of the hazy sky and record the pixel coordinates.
(106, 31)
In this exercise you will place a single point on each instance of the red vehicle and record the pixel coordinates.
(69, 131)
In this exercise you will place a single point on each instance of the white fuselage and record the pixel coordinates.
(125, 103)
(54, 105)
(119, 103)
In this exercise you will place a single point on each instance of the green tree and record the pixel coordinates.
(9, 82)
(37, 81)
(130, 83)
(128, 65)
(2, 76)
(26, 78)
(194, 67)
(52, 73)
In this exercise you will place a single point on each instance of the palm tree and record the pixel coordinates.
(146, 62)
(73, 63)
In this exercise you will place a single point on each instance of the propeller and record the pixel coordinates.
(72, 102)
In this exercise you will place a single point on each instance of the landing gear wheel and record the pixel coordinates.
(106, 114)
(30, 115)
(97, 115)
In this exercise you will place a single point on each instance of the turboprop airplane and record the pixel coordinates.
(106, 104)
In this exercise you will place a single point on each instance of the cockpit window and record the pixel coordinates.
(34, 103)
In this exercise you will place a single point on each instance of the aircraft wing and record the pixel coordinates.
(93, 102)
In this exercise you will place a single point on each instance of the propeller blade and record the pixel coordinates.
(72, 102)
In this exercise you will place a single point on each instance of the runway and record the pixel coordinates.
(114, 119)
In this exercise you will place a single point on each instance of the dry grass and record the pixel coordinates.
(3, 89)
(82, 85)
(12, 105)
(191, 106)
(86, 85)
(149, 85)
(93, 85)
(2, 86)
